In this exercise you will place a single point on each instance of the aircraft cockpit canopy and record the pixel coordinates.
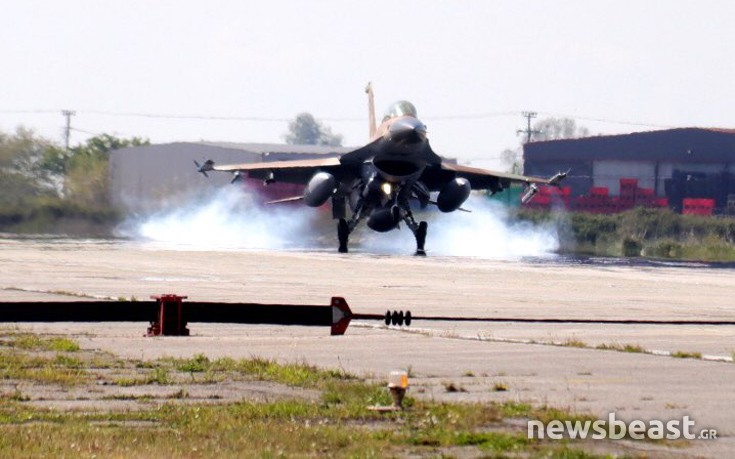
(400, 108)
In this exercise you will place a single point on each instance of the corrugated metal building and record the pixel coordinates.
(674, 163)
(142, 178)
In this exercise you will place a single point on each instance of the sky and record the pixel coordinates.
(237, 71)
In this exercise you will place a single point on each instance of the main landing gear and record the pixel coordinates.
(419, 232)
(418, 229)
(343, 234)
(420, 235)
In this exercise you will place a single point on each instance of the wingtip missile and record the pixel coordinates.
(532, 190)
(556, 179)
(204, 168)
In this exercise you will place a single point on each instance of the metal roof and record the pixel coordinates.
(672, 145)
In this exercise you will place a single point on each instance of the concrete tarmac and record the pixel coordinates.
(539, 363)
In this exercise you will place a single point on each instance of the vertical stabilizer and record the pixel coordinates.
(371, 109)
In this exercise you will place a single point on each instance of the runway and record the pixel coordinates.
(553, 364)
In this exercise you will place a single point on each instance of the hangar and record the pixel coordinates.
(677, 165)
(144, 177)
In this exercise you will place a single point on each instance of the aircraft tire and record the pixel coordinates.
(421, 238)
(343, 234)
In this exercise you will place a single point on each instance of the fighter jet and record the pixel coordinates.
(384, 180)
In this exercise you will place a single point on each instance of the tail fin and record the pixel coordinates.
(371, 109)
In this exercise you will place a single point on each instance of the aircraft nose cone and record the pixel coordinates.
(407, 128)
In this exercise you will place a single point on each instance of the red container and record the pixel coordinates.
(628, 183)
(599, 191)
(692, 206)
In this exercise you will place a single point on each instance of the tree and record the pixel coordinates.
(512, 159)
(57, 160)
(42, 182)
(559, 128)
(545, 129)
(21, 176)
(82, 171)
(86, 168)
(308, 131)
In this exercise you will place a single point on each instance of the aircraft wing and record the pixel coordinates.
(301, 170)
(480, 179)
(294, 171)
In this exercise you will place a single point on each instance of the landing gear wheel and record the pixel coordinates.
(343, 233)
(421, 239)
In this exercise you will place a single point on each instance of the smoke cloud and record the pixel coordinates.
(485, 232)
(233, 219)
(230, 219)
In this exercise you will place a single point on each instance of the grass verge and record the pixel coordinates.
(336, 423)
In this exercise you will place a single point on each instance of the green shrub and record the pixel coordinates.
(659, 233)
(631, 247)
(666, 248)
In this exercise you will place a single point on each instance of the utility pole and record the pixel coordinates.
(67, 129)
(528, 131)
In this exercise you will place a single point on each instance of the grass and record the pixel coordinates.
(158, 375)
(50, 215)
(573, 342)
(500, 387)
(632, 348)
(450, 386)
(178, 395)
(33, 342)
(337, 423)
(142, 398)
(16, 396)
(61, 369)
(292, 427)
(291, 374)
(200, 369)
(657, 233)
(686, 355)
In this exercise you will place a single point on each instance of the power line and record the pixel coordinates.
(186, 116)
(611, 121)
(472, 116)
(21, 112)
(75, 129)
(275, 119)
(469, 116)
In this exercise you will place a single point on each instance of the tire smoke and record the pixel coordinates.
(233, 218)
(229, 219)
(485, 232)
